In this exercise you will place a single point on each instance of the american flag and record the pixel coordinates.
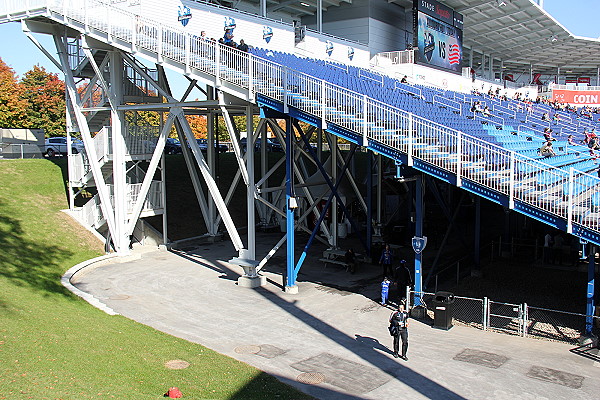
(454, 54)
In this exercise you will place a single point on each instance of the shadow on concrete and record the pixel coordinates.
(263, 384)
(367, 350)
(589, 352)
(373, 343)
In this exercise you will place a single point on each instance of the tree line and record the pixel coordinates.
(36, 101)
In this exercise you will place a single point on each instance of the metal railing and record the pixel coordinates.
(371, 75)
(395, 57)
(455, 105)
(500, 109)
(103, 142)
(91, 212)
(153, 199)
(395, 128)
(15, 150)
(409, 89)
(574, 87)
(509, 318)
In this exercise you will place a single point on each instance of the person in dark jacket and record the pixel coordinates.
(243, 46)
(386, 261)
(402, 278)
(399, 322)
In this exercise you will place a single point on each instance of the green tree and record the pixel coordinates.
(45, 96)
(13, 109)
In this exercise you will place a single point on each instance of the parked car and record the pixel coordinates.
(271, 144)
(203, 144)
(56, 146)
(172, 146)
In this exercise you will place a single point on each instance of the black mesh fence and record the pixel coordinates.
(556, 325)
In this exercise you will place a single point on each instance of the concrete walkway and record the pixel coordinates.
(331, 336)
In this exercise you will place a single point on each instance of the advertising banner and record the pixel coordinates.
(577, 97)
(439, 44)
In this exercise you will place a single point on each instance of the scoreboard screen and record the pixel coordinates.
(438, 35)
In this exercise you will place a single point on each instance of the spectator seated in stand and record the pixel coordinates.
(476, 107)
(556, 118)
(594, 144)
(571, 141)
(486, 112)
(228, 37)
(548, 135)
(588, 136)
(546, 150)
(404, 80)
(545, 117)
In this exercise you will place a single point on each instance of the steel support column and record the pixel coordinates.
(589, 312)
(251, 254)
(334, 204)
(477, 234)
(419, 192)
(320, 16)
(369, 203)
(290, 284)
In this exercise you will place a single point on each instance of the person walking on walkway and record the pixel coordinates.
(399, 322)
(385, 289)
(386, 261)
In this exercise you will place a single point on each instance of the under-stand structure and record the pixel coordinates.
(124, 110)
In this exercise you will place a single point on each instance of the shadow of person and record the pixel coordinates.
(373, 343)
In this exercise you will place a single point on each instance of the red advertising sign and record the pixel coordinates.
(570, 80)
(583, 80)
(577, 97)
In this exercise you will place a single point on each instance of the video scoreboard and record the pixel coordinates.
(438, 35)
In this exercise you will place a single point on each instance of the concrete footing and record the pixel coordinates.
(252, 281)
(588, 340)
(291, 289)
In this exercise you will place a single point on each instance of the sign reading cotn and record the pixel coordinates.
(577, 97)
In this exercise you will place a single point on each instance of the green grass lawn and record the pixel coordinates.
(54, 345)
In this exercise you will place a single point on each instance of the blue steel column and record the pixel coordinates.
(589, 312)
(289, 212)
(369, 203)
(418, 233)
(477, 243)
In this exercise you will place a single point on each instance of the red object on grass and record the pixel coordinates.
(174, 393)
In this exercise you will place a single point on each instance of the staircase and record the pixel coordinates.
(563, 198)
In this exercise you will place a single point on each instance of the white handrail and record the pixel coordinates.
(447, 102)
(385, 124)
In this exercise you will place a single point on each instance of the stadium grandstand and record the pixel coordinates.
(492, 97)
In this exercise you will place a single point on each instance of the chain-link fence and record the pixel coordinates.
(508, 318)
(21, 143)
(556, 325)
(505, 317)
(15, 151)
(468, 311)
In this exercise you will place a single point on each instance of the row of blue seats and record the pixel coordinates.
(389, 92)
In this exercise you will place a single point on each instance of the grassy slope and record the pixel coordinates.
(55, 346)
